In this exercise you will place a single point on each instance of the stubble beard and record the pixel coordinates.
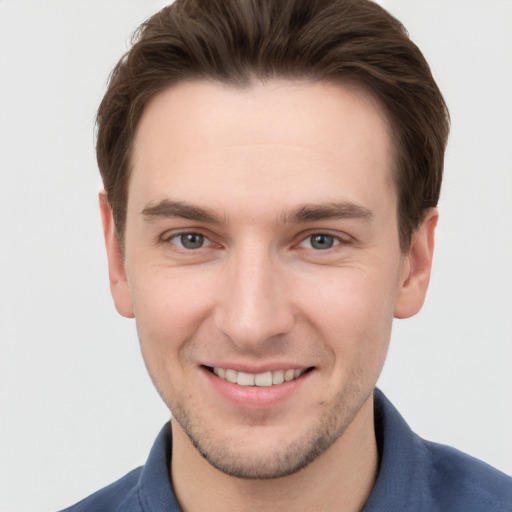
(291, 458)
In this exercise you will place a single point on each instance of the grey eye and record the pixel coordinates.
(191, 240)
(321, 241)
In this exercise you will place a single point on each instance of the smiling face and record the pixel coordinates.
(262, 265)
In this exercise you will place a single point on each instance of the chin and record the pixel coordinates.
(261, 452)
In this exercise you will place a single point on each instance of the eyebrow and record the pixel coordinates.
(168, 208)
(334, 210)
(177, 209)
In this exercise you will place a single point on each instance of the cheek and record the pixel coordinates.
(353, 314)
(169, 308)
(351, 299)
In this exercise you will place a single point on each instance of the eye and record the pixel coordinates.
(320, 241)
(189, 241)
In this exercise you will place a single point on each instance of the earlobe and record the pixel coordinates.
(116, 268)
(416, 268)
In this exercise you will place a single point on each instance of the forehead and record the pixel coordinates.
(269, 138)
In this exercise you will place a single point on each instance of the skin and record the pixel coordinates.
(237, 167)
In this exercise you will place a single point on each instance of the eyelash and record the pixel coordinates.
(336, 239)
(180, 235)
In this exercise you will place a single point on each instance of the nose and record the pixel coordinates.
(254, 306)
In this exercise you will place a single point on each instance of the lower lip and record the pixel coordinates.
(255, 397)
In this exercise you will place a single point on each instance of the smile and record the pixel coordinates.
(264, 379)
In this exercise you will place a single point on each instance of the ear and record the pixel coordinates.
(416, 269)
(116, 270)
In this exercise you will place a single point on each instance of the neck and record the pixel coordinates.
(341, 479)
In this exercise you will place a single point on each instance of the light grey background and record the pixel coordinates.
(77, 409)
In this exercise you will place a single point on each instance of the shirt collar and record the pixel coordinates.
(155, 490)
(403, 462)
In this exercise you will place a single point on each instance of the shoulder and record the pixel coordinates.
(420, 475)
(145, 488)
(463, 483)
(121, 495)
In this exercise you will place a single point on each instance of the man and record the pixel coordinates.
(271, 174)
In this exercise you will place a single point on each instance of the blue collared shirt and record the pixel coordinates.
(414, 476)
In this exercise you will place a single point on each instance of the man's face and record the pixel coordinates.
(262, 245)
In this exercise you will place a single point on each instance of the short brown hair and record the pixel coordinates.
(236, 41)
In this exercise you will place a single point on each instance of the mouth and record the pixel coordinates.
(265, 379)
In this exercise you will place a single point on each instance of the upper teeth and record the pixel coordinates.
(257, 379)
